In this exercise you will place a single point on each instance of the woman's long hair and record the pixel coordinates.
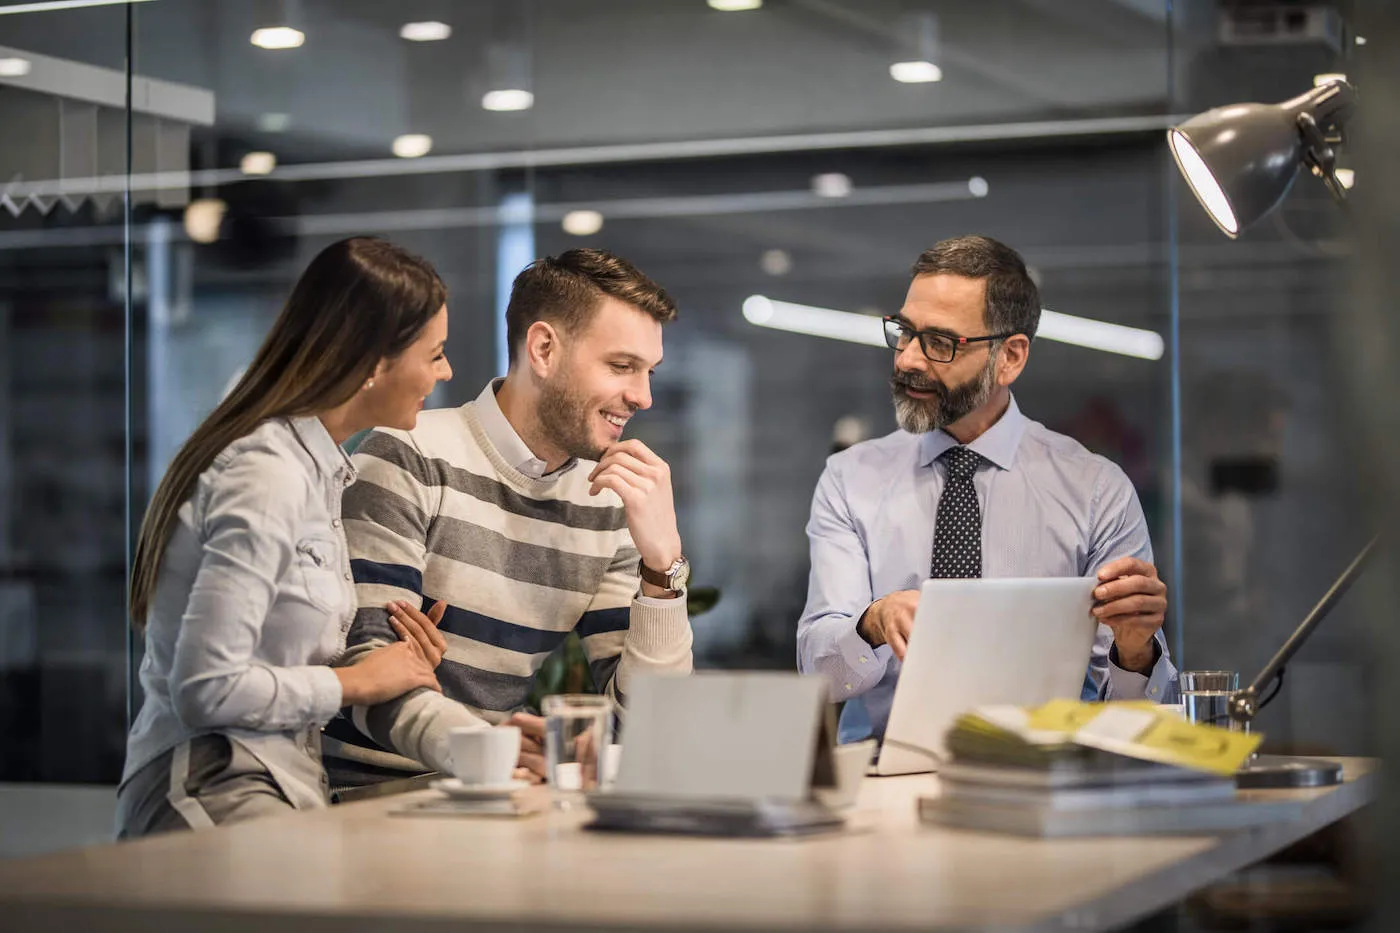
(361, 300)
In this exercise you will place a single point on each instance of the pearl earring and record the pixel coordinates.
(369, 384)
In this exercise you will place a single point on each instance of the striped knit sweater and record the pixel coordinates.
(439, 513)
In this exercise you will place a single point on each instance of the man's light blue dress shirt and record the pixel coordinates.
(1050, 508)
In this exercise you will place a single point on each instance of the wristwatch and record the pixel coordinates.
(674, 578)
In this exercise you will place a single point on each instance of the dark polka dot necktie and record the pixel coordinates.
(957, 531)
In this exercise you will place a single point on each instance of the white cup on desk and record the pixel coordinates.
(484, 757)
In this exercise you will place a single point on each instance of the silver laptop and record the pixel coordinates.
(977, 642)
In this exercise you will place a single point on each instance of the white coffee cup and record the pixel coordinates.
(484, 756)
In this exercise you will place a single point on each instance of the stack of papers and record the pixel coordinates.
(1084, 769)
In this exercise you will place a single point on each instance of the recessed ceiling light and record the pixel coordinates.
(831, 185)
(775, 262)
(430, 31)
(507, 99)
(203, 218)
(274, 122)
(278, 37)
(734, 6)
(1360, 40)
(14, 67)
(583, 223)
(413, 145)
(920, 72)
(258, 163)
(977, 186)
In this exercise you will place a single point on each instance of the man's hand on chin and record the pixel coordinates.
(1132, 601)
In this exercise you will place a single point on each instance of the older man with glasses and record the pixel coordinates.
(970, 487)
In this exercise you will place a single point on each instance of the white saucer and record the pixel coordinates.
(453, 787)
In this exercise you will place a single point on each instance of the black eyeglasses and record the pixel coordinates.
(939, 348)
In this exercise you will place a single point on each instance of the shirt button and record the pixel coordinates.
(862, 659)
(335, 523)
(349, 576)
(848, 686)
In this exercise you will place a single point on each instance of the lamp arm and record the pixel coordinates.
(1244, 704)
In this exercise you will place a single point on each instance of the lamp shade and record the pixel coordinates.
(1241, 160)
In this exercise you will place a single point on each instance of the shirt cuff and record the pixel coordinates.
(326, 694)
(1129, 685)
(864, 665)
(660, 628)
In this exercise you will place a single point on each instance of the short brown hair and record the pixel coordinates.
(566, 290)
(1013, 301)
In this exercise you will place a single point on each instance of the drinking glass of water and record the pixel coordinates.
(1206, 696)
(578, 729)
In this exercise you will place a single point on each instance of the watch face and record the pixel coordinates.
(681, 576)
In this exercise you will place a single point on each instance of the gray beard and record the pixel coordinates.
(920, 416)
(564, 415)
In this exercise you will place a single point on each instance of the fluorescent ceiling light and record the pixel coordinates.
(430, 31)
(1100, 335)
(831, 185)
(582, 223)
(278, 37)
(818, 322)
(916, 72)
(14, 67)
(734, 6)
(258, 163)
(51, 5)
(412, 145)
(868, 329)
(507, 99)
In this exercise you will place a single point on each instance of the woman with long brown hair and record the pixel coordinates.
(241, 578)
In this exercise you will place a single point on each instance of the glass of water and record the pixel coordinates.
(578, 729)
(1206, 696)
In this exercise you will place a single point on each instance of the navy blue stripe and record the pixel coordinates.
(506, 635)
(604, 620)
(399, 575)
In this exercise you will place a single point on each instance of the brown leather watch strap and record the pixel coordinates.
(655, 578)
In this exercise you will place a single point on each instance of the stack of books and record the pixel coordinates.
(1066, 770)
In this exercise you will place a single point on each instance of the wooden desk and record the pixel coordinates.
(356, 868)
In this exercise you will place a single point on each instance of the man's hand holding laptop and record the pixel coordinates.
(1130, 599)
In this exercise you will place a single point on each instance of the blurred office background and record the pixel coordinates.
(774, 151)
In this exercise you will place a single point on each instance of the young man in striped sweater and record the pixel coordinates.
(527, 516)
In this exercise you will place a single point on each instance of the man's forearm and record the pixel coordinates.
(415, 725)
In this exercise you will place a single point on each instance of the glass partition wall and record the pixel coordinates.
(798, 151)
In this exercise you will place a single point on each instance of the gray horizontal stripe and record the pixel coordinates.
(435, 471)
(372, 503)
(371, 625)
(486, 690)
(516, 560)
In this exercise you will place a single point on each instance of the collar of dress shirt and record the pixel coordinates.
(997, 444)
(330, 458)
(505, 438)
